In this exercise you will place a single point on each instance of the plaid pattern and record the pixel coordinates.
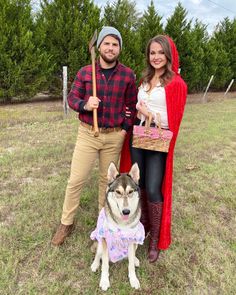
(115, 94)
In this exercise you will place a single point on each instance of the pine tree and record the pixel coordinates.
(68, 27)
(178, 28)
(150, 26)
(226, 35)
(209, 65)
(196, 69)
(124, 17)
(223, 70)
(23, 66)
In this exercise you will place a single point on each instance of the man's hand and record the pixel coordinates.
(92, 103)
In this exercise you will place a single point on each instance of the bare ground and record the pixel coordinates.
(191, 98)
(210, 96)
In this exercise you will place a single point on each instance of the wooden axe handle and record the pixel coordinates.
(95, 114)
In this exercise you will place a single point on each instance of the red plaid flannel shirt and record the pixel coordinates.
(115, 94)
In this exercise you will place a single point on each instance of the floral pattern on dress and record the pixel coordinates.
(117, 239)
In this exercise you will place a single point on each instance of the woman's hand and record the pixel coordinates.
(142, 108)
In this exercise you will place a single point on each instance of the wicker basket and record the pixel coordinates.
(152, 138)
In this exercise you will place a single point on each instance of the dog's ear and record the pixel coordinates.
(134, 173)
(112, 172)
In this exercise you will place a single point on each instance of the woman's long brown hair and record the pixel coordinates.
(149, 72)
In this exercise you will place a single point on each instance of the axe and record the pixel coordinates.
(92, 51)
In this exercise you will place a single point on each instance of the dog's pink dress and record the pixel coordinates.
(118, 239)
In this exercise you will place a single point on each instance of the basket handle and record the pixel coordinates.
(148, 122)
(158, 117)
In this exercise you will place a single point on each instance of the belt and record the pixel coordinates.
(101, 129)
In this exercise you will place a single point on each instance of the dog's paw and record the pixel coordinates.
(134, 282)
(136, 262)
(104, 284)
(95, 266)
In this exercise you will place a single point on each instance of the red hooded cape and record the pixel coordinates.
(176, 94)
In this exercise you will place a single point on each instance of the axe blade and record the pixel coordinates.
(93, 40)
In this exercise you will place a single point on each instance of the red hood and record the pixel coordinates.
(175, 55)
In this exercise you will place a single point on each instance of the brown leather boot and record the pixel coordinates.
(61, 234)
(155, 213)
(144, 211)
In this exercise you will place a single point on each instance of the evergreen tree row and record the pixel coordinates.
(36, 43)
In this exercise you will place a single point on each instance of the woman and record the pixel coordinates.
(162, 91)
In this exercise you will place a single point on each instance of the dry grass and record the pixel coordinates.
(37, 142)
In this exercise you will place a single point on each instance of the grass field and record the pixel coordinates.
(36, 145)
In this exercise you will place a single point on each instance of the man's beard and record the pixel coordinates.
(108, 60)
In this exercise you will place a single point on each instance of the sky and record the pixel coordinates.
(209, 12)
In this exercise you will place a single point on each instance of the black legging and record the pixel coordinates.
(152, 169)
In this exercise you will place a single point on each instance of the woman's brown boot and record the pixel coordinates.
(144, 209)
(155, 213)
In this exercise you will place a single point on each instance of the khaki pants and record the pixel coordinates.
(107, 148)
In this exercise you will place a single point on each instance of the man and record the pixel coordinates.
(116, 91)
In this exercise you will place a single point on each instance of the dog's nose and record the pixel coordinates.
(126, 211)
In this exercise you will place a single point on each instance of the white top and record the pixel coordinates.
(155, 101)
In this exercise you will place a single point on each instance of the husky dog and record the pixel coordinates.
(119, 230)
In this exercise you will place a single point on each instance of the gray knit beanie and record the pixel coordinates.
(108, 31)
